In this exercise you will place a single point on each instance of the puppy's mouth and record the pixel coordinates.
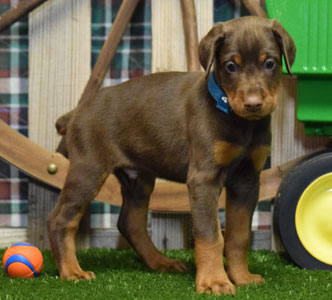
(251, 111)
(254, 117)
(250, 116)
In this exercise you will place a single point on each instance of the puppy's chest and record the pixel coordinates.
(248, 144)
(225, 153)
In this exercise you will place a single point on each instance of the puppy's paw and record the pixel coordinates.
(79, 275)
(164, 264)
(246, 278)
(215, 286)
(176, 265)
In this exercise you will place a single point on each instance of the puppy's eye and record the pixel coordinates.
(231, 66)
(269, 64)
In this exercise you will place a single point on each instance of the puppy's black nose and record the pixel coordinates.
(253, 103)
(253, 108)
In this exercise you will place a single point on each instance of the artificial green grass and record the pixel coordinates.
(121, 275)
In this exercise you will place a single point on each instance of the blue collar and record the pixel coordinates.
(219, 95)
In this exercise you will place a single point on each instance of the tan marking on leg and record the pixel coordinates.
(258, 155)
(132, 224)
(237, 236)
(70, 268)
(211, 276)
(225, 153)
(140, 240)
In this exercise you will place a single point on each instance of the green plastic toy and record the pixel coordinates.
(309, 22)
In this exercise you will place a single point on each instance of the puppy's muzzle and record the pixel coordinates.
(253, 103)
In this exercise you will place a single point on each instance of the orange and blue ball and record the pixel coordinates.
(22, 260)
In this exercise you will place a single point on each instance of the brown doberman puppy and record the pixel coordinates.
(209, 130)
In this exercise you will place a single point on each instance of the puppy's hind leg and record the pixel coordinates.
(84, 179)
(136, 191)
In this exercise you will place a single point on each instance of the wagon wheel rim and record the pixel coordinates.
(313, 218)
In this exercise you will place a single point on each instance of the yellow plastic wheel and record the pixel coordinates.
(303, 212)
(313, 218)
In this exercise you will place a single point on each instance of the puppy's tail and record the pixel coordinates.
(61, 126)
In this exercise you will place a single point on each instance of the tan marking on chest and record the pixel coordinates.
(258, 155)
(225, 153)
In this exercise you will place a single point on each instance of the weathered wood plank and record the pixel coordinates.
(288, 137)
(11, 235)
(168, 46)
(59, 67)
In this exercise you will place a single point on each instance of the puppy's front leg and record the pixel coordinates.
(242, 187)
(204, 188)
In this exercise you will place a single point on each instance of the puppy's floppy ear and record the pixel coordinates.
(208, 45)
(285, 43)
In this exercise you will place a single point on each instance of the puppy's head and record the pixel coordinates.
(247, 57)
